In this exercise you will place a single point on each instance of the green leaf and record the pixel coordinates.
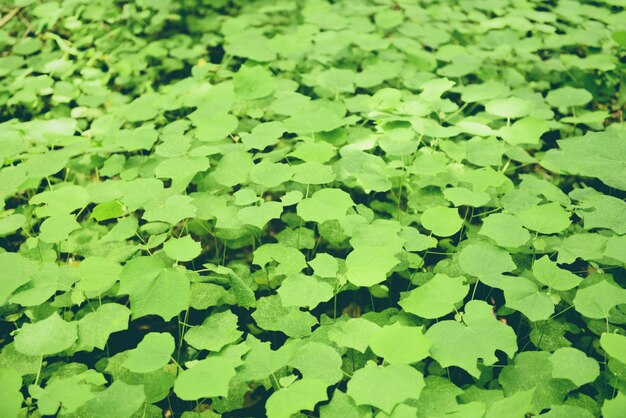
(313, 172)
(270, 175)
(437, 297)
(217, 331)
(10, 396)
(566, 411)
(182, 249)
(315, 360)
(317, 116)
(608, 212)
(601, 155)
(119, 400)
(585, 371)
(517, 405)
(462, 344)
(46, 337)
(108, 210)
(506, 230)
(253, 82)
(95, 328)
(57, 228)
(597, 300)
(442, 221)
(397, 343)
(271, 315)
(207, 378)
(385, 387)
(97, 275)
(324, 265)
(290, 260)
(614, 345)
(548, 273)
(11, 223)
(368, 266)
(171, 210)
(510, 108)
(154, 289)
(460, 196)
(304, 291)
(67, 393)
(614, 408)
(532, 370)
(354, 333)
(152, 353)
(325, 205)
(524, 296)
(300, 395)
(546, 219)
(482, 260)
(260, 215)
(17, 271)
(567, 96)
(341, 405)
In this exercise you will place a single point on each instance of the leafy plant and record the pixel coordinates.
(285, 208)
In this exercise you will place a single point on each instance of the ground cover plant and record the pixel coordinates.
(350, 208)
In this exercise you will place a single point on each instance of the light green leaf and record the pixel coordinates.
(270, 175)
(97, 274)
(367, 266)
(614, 408)
(207, 378)
(152, 353)
(462, 344)
(437, 297)
(271, 315)
(119, 400)
(324, 265)
(10, 396)
(217, 331)
(506, 230)
(11, 223)
(601, 155)
(481, 259)
(566, 97)
(546, 219)
(182, 249)
(325, 205)
(171, 210)
(597, 300)
(46, 337)
(260, 215)
(442, 221)
(57, 228)
(524, 296)
(301, 394)
(385, 387)
(290, 260)
(586, 369)
(95, 328)
(253, 82)
(354, 333)
(341, 405)
(397, 343)
(510, 108)
(548, 273)
(154, 289)
(108, 210)
(304, 291)
(614, 345)
(315, 360)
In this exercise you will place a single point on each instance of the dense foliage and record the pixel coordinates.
(344, 209)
